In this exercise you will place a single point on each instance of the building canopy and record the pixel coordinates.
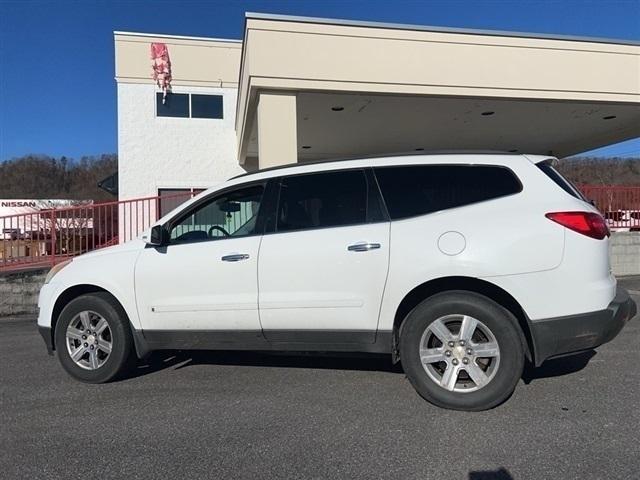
(314, 89)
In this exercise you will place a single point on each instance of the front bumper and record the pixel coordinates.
(46, 300)
(45, 332)
(553, 337)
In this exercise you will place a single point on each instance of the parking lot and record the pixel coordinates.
(249, 415)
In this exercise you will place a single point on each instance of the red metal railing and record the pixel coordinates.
(51, 236)
(48, 237)
(620, 205)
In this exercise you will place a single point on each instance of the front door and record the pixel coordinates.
(322, 272)
(205, 279)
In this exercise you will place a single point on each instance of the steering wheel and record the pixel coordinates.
(220, 229)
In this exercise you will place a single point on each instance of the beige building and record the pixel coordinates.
(299, 89)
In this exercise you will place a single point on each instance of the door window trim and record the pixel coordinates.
(372, 189)
(259, 230)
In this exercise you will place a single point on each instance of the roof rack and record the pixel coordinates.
(378, 155)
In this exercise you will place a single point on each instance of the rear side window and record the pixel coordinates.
(417, 190)
(549, 170)
(322, 200)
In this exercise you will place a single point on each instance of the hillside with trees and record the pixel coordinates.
(601, 171)
(45, 177)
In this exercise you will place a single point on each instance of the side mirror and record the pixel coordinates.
(159, 236)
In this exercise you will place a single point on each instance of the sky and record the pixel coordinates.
(58, 94)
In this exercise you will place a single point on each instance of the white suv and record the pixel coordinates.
(460, 266)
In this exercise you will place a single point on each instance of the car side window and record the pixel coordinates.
(420, 189)
(322, 200)
(232, 214)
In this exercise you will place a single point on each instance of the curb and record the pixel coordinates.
(19, 318)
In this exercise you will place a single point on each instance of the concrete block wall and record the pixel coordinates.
(625, 253)
(19, 292)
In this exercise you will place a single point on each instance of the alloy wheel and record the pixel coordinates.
(459, 353)
(89, 340)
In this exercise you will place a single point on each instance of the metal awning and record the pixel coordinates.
(361, 88)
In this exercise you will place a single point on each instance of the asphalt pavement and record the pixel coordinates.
(247, 415)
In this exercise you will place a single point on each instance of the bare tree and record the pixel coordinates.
(44, 177)
(601, 171)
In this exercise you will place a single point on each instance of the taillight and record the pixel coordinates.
(587, 223)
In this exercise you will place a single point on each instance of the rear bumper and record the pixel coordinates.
(553, 337)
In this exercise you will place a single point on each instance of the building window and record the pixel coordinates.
(186, 105)
(170, 198)
(176, 105)
(206, 106)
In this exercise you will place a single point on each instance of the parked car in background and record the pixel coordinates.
(623, 220)
(461, 266)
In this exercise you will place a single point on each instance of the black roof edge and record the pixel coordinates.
(379, 155)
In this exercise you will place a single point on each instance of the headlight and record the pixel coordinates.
(56, 268)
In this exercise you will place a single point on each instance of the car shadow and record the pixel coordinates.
(178, 359)
(557, 367)
(499, 474)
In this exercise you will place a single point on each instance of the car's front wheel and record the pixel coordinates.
(462, 351)
(93, 339)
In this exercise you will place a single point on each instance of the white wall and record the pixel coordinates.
(160, 152)
(625, 253)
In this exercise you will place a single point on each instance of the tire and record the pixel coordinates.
(112, 344)
(462, 379)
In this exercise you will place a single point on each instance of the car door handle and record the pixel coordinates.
(235, 257)
(363, 247)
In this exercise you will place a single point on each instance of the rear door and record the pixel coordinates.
(322, 270)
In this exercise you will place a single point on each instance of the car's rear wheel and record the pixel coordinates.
(93, 339)
(462, 351)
